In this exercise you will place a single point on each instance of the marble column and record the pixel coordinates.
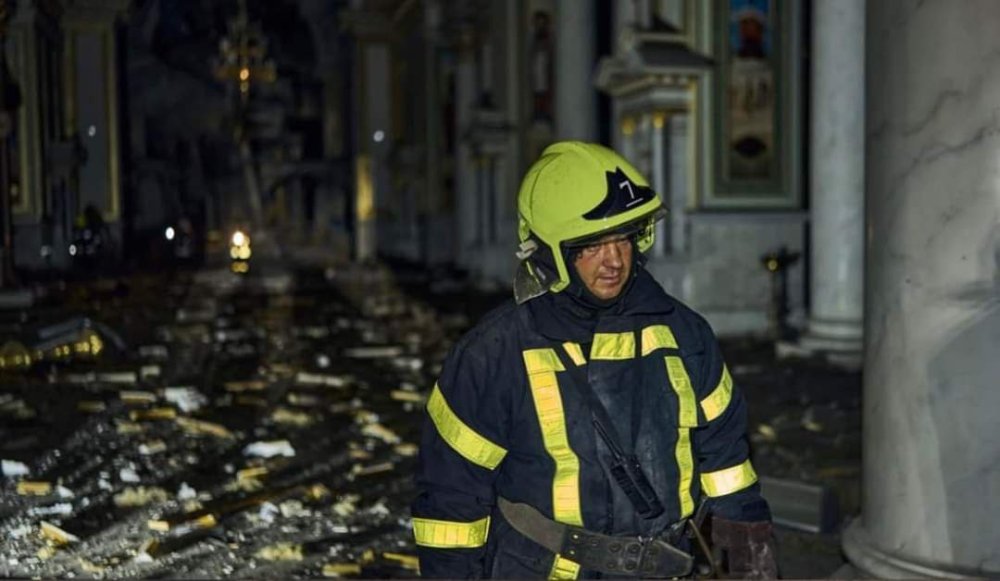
(931, 479)
(837, 180)
(576, 96)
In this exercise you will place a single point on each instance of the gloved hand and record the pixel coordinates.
(748, 548)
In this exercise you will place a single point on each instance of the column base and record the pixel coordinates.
(872, 561)
(839, 342)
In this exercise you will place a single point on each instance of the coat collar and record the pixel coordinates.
(559, 318)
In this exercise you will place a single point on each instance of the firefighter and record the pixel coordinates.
(575, 431)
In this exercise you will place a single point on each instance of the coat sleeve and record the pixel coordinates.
(463, 444)
(727, 476)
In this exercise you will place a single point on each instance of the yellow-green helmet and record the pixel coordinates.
(577, 192)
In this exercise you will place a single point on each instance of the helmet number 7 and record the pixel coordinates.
(627, 185)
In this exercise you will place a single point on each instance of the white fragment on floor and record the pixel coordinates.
(13, 468)
(128, 474)
(270, 449)
(185, 492)
(187, 399)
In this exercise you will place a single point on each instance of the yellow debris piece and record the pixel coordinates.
(125, 428)
(91, 406)
(193, 426)
(281, 552)
(56, 535)
(137, 397)
(406, 449)
(347, 505)
(410, 562)
(152, 447)
(359, 470)
(338, 569)
(140, 496)
(251, 473)
(192, 505)
(164, 413)
(381, 432)
(33, 488)
(246, 485)
(317, 492)
(403, 395)
(767, 432)
(359, 454)
(206, 521)
(303, 399)
(283, 415)
(282, 369)
(249, 385)
(91, 568)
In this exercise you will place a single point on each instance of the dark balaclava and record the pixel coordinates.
(575, 306)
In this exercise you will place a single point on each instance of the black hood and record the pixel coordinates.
(569, 316)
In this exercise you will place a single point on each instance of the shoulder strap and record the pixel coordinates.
(625, 469)
(602, 420)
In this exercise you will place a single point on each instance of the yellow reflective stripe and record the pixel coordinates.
(687, 414)
(542, 360)
(445, 534)
(563, 568)
(548, 405)
(657, 337)
(718, 400)
(687, 407)
(728, 480)
(463, 439)
(575, 353)
(685, 466)
(613, 346)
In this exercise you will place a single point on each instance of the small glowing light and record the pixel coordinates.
(234, 253)
(169, 233)
(244, 74)
(72, 249)
(244, 253)
(240, 267)
(91, 131)
(239, 238)
(772, 265)
(379, 136)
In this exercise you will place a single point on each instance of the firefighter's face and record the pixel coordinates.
(604, 266)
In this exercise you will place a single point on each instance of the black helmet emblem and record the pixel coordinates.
(623, 195)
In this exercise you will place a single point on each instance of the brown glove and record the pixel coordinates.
(747, 548)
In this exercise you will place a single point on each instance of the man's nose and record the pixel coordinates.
(612, 256)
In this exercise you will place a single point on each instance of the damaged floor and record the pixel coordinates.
(207, 424)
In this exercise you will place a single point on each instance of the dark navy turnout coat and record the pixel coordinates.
(505, 420)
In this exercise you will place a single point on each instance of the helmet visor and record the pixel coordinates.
(635, 230)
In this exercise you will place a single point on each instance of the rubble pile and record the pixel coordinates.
(262, 425)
